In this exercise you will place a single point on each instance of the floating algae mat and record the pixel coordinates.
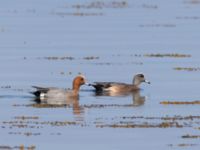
(21, 147)
(191, 136)
(173, 55)
(184, 145)
(68, 58)
(180, 102)
(89, 9)
(149, 122)
(88, 106)
(187, 69)
(144, 125)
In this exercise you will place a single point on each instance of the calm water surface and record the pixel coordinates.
(49, 42)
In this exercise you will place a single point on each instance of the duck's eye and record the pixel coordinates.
(82, 79)
(141, 75)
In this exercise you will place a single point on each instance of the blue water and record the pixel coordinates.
(31, 30)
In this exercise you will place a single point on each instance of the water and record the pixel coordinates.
(105, 41)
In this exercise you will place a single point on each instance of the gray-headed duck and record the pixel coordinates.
(118, 87)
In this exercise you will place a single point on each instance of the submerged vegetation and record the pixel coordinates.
(180, 102)
(191, 136)
(142, 125)
(186, 69)
(173, 55)
(94, 8)
(68, 58)
(21, 147)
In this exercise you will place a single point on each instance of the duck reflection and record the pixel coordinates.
(137, 99)
(72, 102)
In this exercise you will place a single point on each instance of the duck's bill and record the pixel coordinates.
(148, 82)
(88, 84)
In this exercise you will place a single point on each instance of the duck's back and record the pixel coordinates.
(58, 93)
(53, 93)
(113, 86)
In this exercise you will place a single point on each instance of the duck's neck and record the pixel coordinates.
(75, 88)
(136, 83)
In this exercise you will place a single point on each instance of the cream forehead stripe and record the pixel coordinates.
(82, 76)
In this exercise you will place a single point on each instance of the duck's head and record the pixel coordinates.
(138, 79)
(78, 81)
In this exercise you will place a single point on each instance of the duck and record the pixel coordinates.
(53, 93)
(118, 87)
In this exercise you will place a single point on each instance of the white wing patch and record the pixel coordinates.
(42, 95)
(112, 89)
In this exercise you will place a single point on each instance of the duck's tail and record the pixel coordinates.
(40, 91)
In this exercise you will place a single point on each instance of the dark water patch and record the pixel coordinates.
(27, 134)
(130, 55)
(58, 133)
(148, 122)
(26, 117)
(187, 69)
(21, 147)
(13, 89)
(22, 124)
(180, 102)
(182, 145)
(192, 2)
(173, 118)
(65, 73)
(79, 14)
(189, 136)
(40, 105)
(150, 6)
(45, 105)
(91, 57)
(172, 55)
(117, 63)
(101, 5)
(15, 96)
(6, 87)
(155, 55)
(2, 29)
(158, 25)
(68, 58)
(18, 11)
(107, 105)
(137, 55)
(85, 9)
(188, 17)
(57, 58)
(141, 125)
